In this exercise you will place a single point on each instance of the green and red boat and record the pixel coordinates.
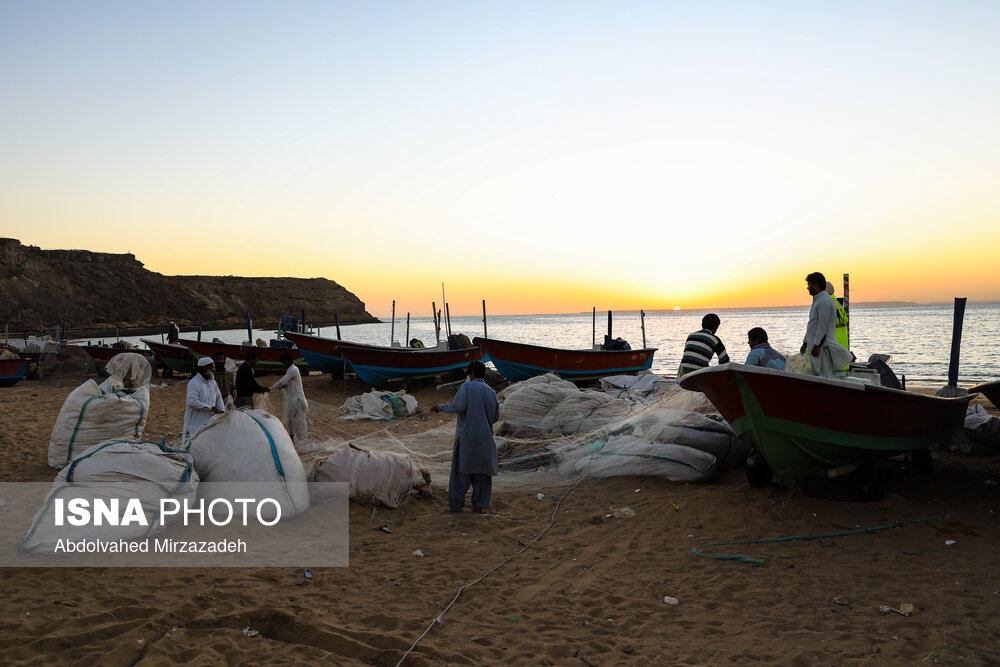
(268, 357)
(175, 358)
(802, 424)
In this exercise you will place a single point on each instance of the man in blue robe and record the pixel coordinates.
(474, 457)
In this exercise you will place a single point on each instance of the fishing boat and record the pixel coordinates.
(102, 354)
(380, 366)
(519, 361)
(175, 358)
(990, 390)
(268, 357)
(802, 424)
(11, 371)
(323, 354)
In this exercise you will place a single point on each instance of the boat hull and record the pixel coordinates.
(11, 371)
(324, 355)
(518, 361)
(379, 367)
(267, 357)
(102, 355)
(990, 390)
(803, 424)
(175, 357)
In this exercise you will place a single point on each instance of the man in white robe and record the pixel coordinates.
(203, 400)
(826, 354)
(296, 405)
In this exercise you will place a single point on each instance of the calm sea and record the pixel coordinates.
(917, 337)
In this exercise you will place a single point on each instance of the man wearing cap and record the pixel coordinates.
(173, 333)
(203, 400)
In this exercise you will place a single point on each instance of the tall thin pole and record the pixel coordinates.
(199, 330)
(593, 330)
(407, 330)
(434, 317)
(847, 297)
(609, 325)
(249, 329)
(485, 335)
(956, 340)
(447, 318)
(392, 330)
(642, 319)
(336, 321)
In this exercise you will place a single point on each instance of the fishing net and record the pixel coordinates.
(550, 432)
(63, 365)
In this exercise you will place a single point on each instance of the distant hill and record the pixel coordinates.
(42, 288)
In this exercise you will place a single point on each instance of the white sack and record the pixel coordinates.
(134, 370)
(251, 446)
(387, 478)
(121, 469)
(93, 414)
(626, 455)
(379, 405)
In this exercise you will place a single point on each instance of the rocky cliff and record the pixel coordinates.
(41, 288)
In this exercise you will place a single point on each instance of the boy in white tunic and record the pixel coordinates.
(296, 405)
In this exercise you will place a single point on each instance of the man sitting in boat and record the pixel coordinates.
(761, 352)
(701, 345)
(828, 357)
(173, 333)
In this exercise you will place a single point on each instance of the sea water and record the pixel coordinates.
(917, 336)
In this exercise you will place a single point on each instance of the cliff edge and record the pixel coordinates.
(42, 288)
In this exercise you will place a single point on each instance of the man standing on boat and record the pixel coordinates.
(701, 345)
(173, 333)
(474, 455)
(829, 358)
(296, 405)
(761, 352)
(203, 400)
(246, 383)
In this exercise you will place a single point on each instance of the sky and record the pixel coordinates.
(544, 156)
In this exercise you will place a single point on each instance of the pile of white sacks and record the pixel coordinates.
(96, 445)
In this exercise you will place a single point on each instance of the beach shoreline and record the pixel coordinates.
(590, 591)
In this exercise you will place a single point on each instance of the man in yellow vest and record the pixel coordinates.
(843, 331)
(843, 337)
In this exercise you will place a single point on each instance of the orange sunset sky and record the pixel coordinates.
(546, 157)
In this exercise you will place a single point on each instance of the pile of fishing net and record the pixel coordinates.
(546, 421)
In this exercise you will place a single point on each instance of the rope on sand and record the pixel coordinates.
(755, 561)
(496, 567)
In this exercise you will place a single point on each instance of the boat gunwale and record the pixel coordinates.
(558, 349)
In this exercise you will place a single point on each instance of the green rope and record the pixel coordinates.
(754, 561)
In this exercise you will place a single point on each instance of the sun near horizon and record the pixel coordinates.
(654, 156)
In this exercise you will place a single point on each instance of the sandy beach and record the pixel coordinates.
(589, 591)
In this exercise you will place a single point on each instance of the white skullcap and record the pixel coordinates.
(829, 287)
(205, 361)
